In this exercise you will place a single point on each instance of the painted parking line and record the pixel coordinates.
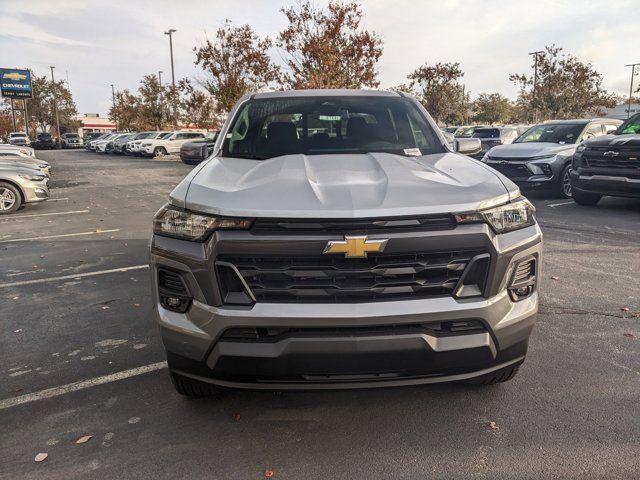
(72, 277)
(553, 205)
(47, 237)
(72, 212)
(81, 385)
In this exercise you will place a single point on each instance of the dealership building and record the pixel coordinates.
(93, 122)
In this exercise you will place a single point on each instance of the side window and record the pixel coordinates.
(593, 131)
(608, 128)
(181, 136)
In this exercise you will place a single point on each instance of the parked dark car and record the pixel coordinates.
(120, 143)
(540, 158)
(493, 136)
(45, 141)
(608, 165)
(70, 140)
(195, 152)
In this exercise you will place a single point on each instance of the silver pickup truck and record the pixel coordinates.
(334, 240)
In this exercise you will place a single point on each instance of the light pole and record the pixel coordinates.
(161, 99)
(170, 32)
(535, 81)
(55, 103)
(113, 102)
(633, 72)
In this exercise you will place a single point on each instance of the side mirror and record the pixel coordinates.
(468, 146)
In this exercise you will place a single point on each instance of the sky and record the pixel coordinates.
(96, 43)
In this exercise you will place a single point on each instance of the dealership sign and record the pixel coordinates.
(15, 83)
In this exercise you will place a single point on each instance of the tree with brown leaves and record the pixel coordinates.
(235, 63)
(437, 87)
(566, 87)
(199, 107)
(329, 48)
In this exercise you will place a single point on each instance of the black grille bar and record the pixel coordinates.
(280, 225)
(333, 278)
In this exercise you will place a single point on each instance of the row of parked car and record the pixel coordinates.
(45, 141)
(193, 147)
(23, 177)
(538, 156)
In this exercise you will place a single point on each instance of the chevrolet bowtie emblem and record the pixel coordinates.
(355, 247)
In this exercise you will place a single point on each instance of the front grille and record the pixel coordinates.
(512, 170)
(330, 278)
(626, 159)
(279, 225)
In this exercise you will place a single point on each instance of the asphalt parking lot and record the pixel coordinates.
(81, 356)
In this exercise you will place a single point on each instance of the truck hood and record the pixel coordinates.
(531, 149)
(342, 186)
(627, 140)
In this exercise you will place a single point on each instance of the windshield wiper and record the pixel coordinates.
(250, 156)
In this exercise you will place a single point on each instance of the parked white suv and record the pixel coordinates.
(19, 138)
(133, 146)
(168, 144)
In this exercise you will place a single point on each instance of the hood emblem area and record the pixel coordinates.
(355, 246)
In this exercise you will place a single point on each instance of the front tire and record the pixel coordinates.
(585, 198)
(499, 376)
(564, 187)
(10, 198)
(159, 152)
(192, 388)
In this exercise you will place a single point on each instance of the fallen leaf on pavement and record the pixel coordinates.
(15, 298)
(629, 334)
(105, 307)
(17, 331)
(268, 473)
(625, 309)
(41, 456)
(555, 278)
(492, 425)
(136, 304)
(236, 417)
(84, 439)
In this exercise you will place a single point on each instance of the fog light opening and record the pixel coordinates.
(523, 279)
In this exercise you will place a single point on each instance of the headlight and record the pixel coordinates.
(145, 145)
(32, 178)
(504, 218)
(43, 165)
(173, 222)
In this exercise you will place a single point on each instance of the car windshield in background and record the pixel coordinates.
(630, 126)
(267, 128)
(561, 133)
(486, 133)
(71, 135)
(164, 135)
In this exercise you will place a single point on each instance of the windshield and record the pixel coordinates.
(630, 126)
(162, 135)
(267, 128)
(71, 135)
(22, 135)
(561, 133)
(486, 133)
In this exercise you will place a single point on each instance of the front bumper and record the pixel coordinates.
(35, 191)
(346, 345)
(616, 186)
(529, 174)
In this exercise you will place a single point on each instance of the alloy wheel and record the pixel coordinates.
(7, 199)
(566, 182)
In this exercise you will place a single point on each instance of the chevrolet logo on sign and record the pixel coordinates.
(355, 247)
(14, 76)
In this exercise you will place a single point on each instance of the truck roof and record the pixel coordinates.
(326, 93)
